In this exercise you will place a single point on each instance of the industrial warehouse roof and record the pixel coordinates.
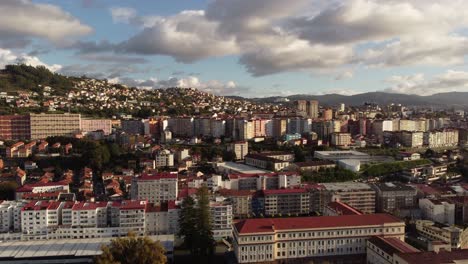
(63, 248)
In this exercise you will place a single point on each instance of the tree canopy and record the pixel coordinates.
(132, 250)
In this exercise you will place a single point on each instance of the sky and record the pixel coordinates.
(243, 47)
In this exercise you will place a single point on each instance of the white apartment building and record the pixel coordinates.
(162, 219)
(263, 181)
(10, 215)
(156, 188)
(441, 138)
(439, 211)
(264, 240)
(77, 220)
(164, 158)
(221, 219)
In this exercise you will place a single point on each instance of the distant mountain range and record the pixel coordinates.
(451, 99)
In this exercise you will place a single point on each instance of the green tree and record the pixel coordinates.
(298, 154)
(205, 241)
(132, 250)
(188, 222)
(7, 190)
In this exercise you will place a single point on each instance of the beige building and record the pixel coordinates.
(240, 148)
(280, 239)
(90, 125)
(358, 195)
(452, 235)
(47, 125)
(341, 139)
(411, 139)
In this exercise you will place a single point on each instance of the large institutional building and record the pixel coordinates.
(264, 240)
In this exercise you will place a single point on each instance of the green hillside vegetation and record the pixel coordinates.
(22, 77)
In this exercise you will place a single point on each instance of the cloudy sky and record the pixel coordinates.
(245, 47)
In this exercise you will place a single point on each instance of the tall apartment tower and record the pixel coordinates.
(313, 109)
(301, 105)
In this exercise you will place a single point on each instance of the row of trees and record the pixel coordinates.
(336, 174)
(195, 224)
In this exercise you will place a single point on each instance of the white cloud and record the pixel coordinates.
(344, 75)
(187, 36)
(9, 57)
(450, 81)
(23, 18)
(272, 36)
(123, 14)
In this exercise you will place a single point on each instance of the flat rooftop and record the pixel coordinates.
(341, 153)
(346, 186)
(240, 168)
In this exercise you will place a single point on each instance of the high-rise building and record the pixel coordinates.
(327, 114)
(301, 105)
(280, 126)
(313, 109)
(15, 127)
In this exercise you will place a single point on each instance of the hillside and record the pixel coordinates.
(452, 99)
(23, 78)
(36, 89)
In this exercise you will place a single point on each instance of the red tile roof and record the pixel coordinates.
(157, 176)
(392, 245)
(133, 205)
(88, 205)
(264, 225)
(343, 209)
(284, 191)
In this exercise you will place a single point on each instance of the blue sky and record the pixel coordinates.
(243, 47)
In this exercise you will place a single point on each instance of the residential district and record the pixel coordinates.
(291, 183)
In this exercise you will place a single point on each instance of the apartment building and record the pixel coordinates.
(241, 201)
(162, 219)
(164, 158)
(340, 139)
(240, 149)
(358, 195)
(279, 239)
(411, 139)
(155, 188)
(285, 202)
(221, 219)
(264, 181)
(441, 138)
(48, 125)
(15, 127)
(10, 215)
(440, 211)
(90, 125)
(394, 196)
